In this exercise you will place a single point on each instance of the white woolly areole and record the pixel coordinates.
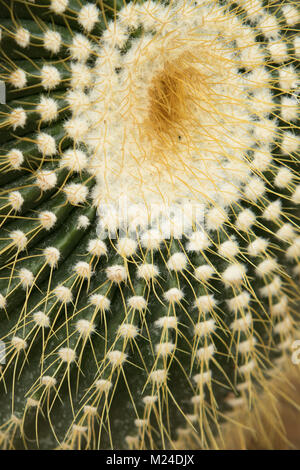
(48, 109)
(46, 144)
(269, 26)
(242, 324)
(202, 378)
(22, 37)
(19, 239)
(234, 274)
(32, 403)
(133, 442)
(48, 381)
(80, 48)
(126, 247)
(273, 288)
(205, 327)
(88, 16)
(204, 272)
(283, 178)
(18, 78)
(50, 77)
(293, 251)
(97, 247)
(288, 78)
(278, 51)
(254, 189)
(296, 195)
(245, 220)
(158, 376)
(18, 343)
(205, 303)
(77, 429)
(137, 302)
(83, 222)
(281, 308)
(100, 301)
(41, 319)
(83, 270)
(46, 179)
(76, 193)
(17, 118)
(258, 246)
(177, 262)
(116, 273)
(2, 301)
(247, 368)
(16, 200)
(286, 344)
(236, 402)
(239, 302)
(15, 158)
(289, 109)
(215, 218)
(151, 239)
(228, 249)
(16, 421)
(85, 328)
(130, 151)
(198, 241)
(58, 6)
(173, 295)
(164, 349)
(26, 277)
(149, 400)
(52, 256)
(78, 101)
(266, 267)
(206, 353)
(52, 41)
(116, 358)
(74, 160)
(297, 45)
(291, 14)
(147, 271)
(247, 346)
(198, 400)
(253, 8)
(81, 76)
(103, 385)
(90, 410)
(67, 355)
(129, 16)
(76, 128)
(167, 322)
(127, 330)
(63, 294)
(290, 143)
(273, 210)
(47, 219)
(262, 159)
(266, 133)
(192, 418)
(244, 385)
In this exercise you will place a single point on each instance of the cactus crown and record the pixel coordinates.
(149, 240)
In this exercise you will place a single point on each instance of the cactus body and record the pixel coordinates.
(149, 237)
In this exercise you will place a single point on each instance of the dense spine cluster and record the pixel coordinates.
(149, 326)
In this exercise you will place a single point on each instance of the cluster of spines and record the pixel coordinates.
(198, 270)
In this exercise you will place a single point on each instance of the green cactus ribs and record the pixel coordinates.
(149, 219)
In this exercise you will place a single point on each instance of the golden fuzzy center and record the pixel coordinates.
(174, 95)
